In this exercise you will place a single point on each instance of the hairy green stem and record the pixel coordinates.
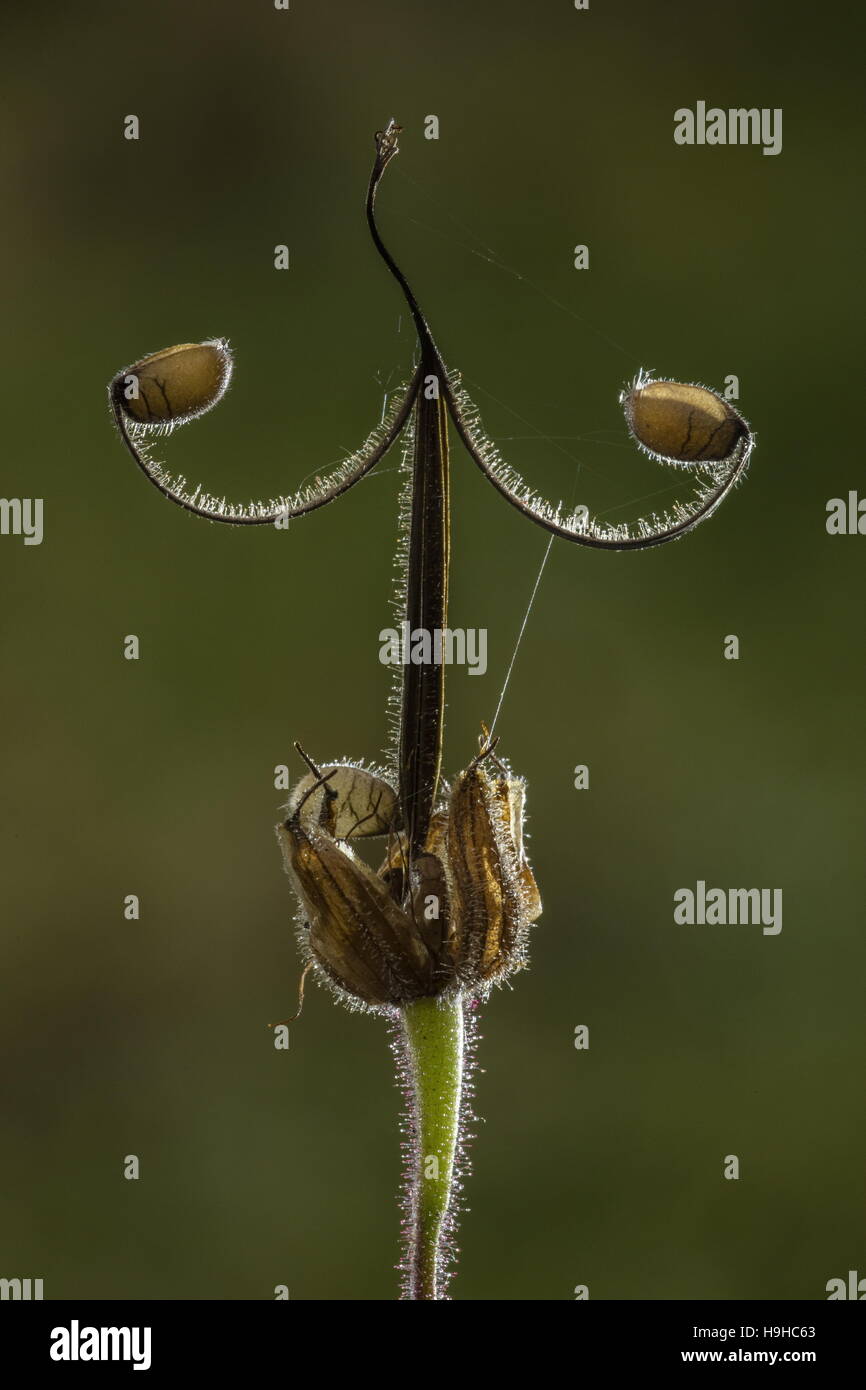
(435, 1040)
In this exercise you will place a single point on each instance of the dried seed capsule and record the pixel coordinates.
(175, 385)
(456, 914)
(351, 803)
(683, 424)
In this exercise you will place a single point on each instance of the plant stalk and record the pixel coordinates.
(434, 1038)
(433, 1033)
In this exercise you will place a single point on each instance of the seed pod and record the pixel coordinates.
(175, 385)
(454, 915)
(683, 424)
(360, 937)
(352, 802)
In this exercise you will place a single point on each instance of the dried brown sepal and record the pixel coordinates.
(515, 793)
(362, 939)
(494, 897)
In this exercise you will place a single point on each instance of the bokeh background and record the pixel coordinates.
(156, 778)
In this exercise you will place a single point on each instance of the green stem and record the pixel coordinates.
(435, 1040)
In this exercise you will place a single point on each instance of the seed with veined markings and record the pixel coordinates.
(347, 801)
(683, 424)
(175, 385)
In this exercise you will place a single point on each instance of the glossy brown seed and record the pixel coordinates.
(175, 385)
(352, 803)
(681, 423)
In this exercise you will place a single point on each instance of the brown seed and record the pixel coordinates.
(680, 423)
(352, 802)
(175, 385)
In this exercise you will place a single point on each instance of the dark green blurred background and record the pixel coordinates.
(261, 1167)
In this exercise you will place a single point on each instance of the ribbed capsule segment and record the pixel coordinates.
(175, 385)
(680, 423)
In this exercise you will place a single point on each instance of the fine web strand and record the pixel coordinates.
(486, 253)
(529, 607)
